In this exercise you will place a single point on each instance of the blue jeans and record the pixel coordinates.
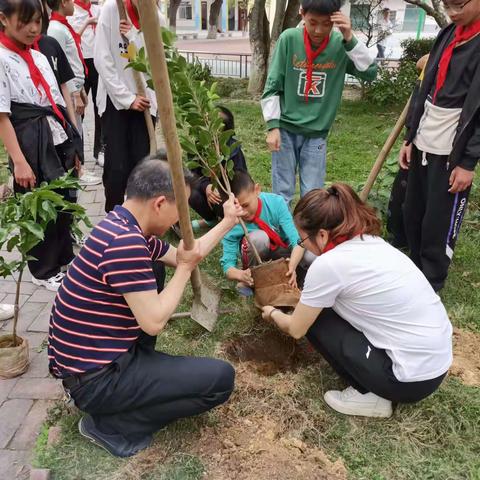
(306, 154)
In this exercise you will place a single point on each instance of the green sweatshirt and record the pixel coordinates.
(283, 101)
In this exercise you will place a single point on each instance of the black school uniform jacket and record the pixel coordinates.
(47, 161)
(468, 130)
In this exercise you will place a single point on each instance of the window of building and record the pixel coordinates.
(410, 20)
(185, 11)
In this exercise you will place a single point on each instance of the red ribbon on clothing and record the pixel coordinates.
(311, 56)
(87, 7)
(462, 34)
(275, 239)
(35, 73)
(76, 37)
(336, 241)
(132, 13)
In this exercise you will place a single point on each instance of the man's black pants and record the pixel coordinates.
(91, 83)
(144, 390)
(360, 364)
(127, 142)
(432, 215)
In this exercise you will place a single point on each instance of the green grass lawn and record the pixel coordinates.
(436, 439)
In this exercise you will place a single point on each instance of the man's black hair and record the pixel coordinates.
(227, 117)
(321, 7)
(25, 9)
(151, 178)
(240, 182)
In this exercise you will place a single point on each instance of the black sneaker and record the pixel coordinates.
(115, 444)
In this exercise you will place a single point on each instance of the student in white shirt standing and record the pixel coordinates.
(119, 104)
(366, 308)
(84, 22)
(60, 29)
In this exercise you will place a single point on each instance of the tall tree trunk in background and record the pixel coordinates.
(260, 45)
(215, 8)
(435, 10)
(172, 14)
(292, 17)
(277, 26)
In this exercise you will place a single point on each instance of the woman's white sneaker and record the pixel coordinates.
(6, 311)
(352, 402)
(52, 283)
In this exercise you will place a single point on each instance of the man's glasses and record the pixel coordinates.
(301, 241)
(455, 8)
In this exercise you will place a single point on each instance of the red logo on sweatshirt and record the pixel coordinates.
(318, 84)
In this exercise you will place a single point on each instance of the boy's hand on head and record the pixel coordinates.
(460, 179)
(274, 140)
(344, 24)
(405, 156)
(232, 210)
(213, 197)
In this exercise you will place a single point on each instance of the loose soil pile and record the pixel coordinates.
(466, 357)
(270, 352)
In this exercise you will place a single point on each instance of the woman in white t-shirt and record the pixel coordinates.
(366, 308)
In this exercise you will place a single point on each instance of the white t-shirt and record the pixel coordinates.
(16, 85)
(380, 292)
(113, 78)
(63, 36)
(80, 16)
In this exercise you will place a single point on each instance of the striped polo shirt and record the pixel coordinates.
(91, 324)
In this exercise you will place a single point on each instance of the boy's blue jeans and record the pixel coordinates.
(306, 154)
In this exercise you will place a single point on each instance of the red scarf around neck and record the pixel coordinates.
(76, 37)
(87, 7)
(462, 34)
(133, 15)
(311, 56)
(35, 74)
(275, 239)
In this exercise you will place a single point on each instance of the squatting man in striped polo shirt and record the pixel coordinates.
(108, 311)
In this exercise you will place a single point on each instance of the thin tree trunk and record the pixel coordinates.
(435, 10)
(277, 26)
(172, 13)
(260, 45)
(16, 307)
(291, 18)
(215, 8)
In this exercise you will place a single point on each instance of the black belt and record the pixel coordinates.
(81, 378)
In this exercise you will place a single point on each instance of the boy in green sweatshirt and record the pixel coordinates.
(303, 91)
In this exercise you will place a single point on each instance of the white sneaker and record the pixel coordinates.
(52, 283)
(89, 179)
(6, 311)
(352, 402)
(79, 240)
(101, 158)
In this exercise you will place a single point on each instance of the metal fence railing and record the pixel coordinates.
(222, 64)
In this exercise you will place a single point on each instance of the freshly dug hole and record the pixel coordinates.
(270, 352)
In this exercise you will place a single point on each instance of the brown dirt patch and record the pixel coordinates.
(269, 352)
(466, 357)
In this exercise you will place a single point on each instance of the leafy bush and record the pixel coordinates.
(394, 85)
(415, 49)
(200, 71)
(228, 87)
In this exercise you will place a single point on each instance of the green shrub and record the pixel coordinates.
(228, 87)
(415, 49)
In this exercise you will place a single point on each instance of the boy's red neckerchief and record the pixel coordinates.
(462, 34)
(76, 37)
(132, 13)
(311, 56)
(35, 73)
(87, 7)
(275, 239)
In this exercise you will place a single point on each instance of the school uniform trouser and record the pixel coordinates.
(126, 144)
(56, 248)
(432, 215)
(360, 364)
(91, 83)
